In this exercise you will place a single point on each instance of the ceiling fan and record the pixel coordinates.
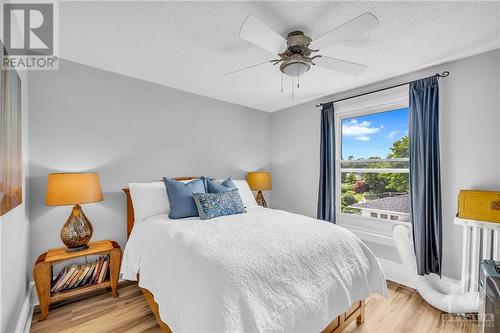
(297, 52)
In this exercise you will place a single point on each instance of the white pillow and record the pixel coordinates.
(149, 199)
(245, 193)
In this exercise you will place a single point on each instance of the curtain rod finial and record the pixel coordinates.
(443, 74)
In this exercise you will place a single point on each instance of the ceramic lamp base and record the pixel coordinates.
(260, 199)
(77, 231)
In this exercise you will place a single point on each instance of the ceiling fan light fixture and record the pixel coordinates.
(297, 53)
(294, 68)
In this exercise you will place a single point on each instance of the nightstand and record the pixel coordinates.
(42, 273)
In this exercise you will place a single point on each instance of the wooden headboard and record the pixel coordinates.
(130, 206)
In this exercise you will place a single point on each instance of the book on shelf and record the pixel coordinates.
(59, 279)
(104, 270)
(98, 271)
(80, 277)
(75, 276)
(71, 278)
(81, 282)
(88, 278)
(66, 277)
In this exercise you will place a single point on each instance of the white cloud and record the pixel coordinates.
(392, 134)
(359, 130)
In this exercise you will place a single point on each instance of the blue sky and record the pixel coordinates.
(373, 135)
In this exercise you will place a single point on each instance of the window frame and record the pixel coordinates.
(367, 228)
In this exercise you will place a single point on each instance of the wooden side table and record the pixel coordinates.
(42, 273)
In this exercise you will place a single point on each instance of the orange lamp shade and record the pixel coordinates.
(260, 181)
(73, 188)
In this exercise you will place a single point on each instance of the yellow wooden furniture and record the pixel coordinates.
(42, 273)
(479, 205)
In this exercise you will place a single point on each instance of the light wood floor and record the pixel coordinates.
(403, 311)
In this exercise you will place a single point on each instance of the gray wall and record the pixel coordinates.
(15, 260)
(470, 141)
(129, 130)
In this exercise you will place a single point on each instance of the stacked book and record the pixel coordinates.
(75, 276)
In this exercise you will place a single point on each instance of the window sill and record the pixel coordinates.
(370, 229)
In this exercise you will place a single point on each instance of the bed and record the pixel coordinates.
(262, 271)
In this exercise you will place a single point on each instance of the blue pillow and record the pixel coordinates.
(216, 187)
(212, 205)
(180, 196)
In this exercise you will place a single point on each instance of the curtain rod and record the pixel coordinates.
(443, 74)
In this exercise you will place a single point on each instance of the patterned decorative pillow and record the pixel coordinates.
(212, 205)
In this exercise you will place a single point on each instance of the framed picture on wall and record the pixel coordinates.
(11, 164)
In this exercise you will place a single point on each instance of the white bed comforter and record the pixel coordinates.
(263, 271)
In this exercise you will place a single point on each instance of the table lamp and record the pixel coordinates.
(260, 181)
(74, 189)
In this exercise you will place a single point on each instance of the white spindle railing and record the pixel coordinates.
(481, 240)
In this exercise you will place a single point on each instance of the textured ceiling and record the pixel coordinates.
(190, 45)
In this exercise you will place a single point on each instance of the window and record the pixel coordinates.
(373, 164)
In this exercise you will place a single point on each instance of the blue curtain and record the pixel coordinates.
(326, 193)
(425, 179)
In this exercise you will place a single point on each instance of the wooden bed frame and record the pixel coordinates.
(355, 313)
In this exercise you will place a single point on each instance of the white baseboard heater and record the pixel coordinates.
(481, 240)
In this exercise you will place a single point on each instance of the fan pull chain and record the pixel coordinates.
(298, 80)
(281, 82)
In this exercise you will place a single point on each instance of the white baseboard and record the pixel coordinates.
(24, 321)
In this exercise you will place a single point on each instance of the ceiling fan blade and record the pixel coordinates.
(257, 33)
(357, 25)
(245, 68)
(340, 65)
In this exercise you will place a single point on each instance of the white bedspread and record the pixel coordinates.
(263, 271)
